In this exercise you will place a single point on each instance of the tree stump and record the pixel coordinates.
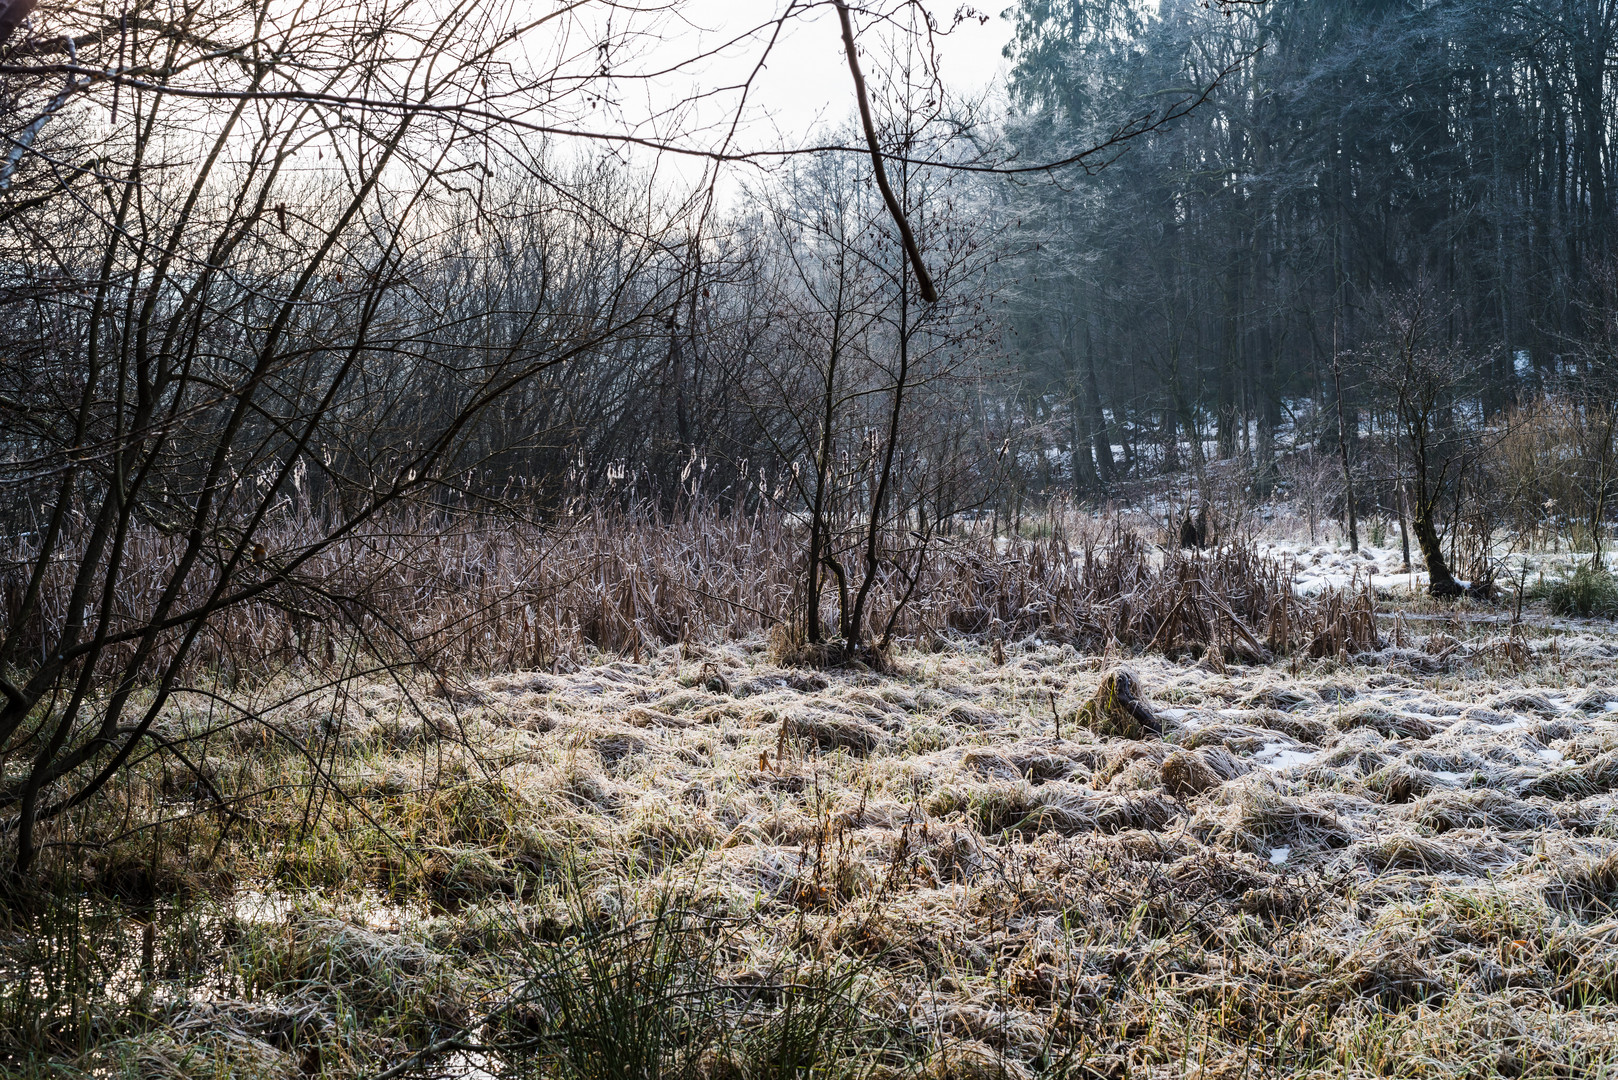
(1119, 708)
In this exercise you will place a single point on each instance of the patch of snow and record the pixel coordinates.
(1278, 855)
(1309, 586)
(1277, 756)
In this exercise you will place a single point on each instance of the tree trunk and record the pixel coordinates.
(1099, 431)
(1342, 449)
(1440, 582)
(1085, 480)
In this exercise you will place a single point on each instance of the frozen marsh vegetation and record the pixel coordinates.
(1405, 865)
(519, 560)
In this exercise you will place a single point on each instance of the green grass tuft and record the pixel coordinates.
(1587, 591)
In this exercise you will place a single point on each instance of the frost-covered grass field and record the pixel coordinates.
(1402, 862)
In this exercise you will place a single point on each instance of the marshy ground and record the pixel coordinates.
(1401, 863)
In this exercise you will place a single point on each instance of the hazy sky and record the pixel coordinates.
(806, 81)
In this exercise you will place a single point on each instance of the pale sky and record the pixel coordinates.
(664, 84)
(806, 81)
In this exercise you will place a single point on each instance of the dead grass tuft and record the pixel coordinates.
(1260, 822)
(1385, 722)
(828, 732)
(1442, 811)
(1400, 783)
(1525, 702)
(1589, 891)
(1188, 773)
(1404, 851)
(1281, 697)
(1360, 753)
(1598, 775)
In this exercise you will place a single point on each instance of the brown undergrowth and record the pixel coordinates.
(456, 593)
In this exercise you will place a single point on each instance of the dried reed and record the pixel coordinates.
(469, 593)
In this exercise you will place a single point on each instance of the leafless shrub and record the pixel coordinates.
(1555, 465)
(1315, 481)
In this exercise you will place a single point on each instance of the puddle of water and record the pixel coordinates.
(368, 911)
(252, 906)
(466, 1065)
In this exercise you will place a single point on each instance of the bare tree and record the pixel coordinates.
(846, 376)
(260, 300)
(1420, 369)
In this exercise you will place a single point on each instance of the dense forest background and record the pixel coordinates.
(1220, 276)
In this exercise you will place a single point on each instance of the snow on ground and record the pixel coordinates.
(1317, 567)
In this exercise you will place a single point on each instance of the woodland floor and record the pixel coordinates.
(1403, 865)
